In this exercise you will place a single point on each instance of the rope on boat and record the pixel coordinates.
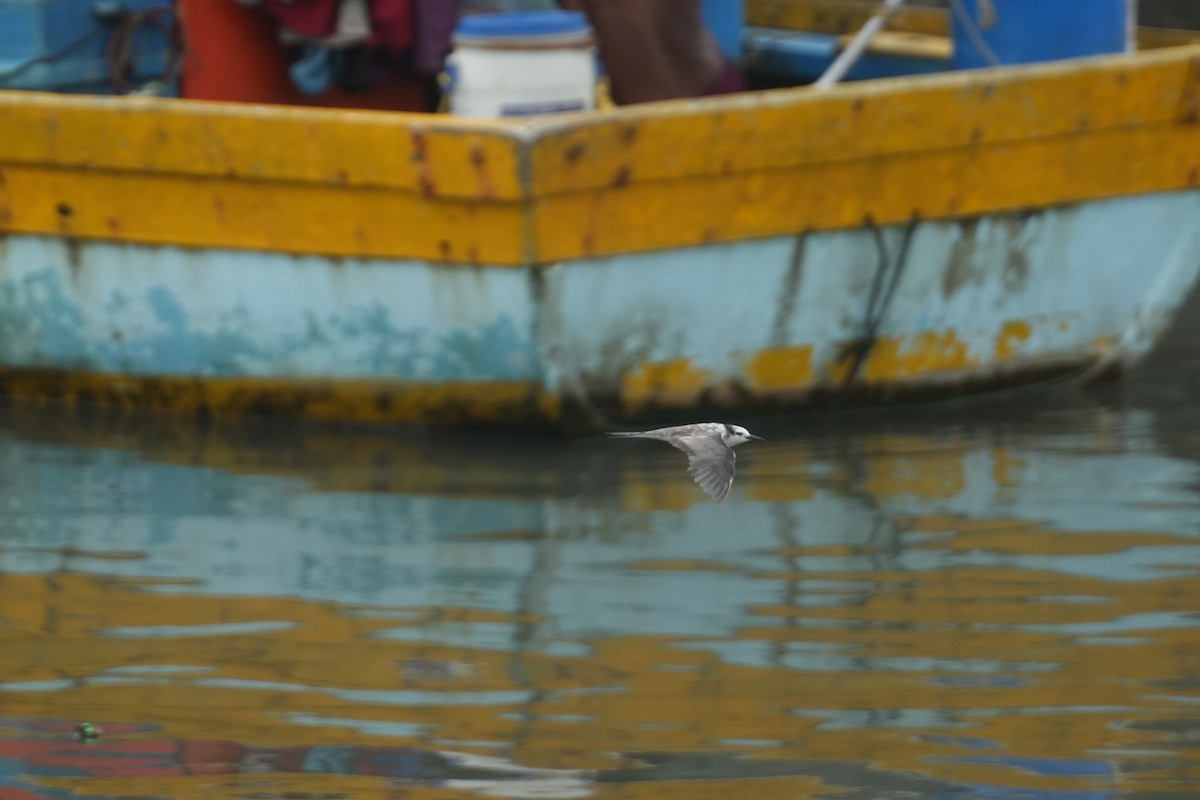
(118, 50)
(118, 54)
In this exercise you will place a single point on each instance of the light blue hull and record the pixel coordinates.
(1003, 296)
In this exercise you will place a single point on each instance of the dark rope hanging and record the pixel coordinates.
(883, 289)
(119, 54)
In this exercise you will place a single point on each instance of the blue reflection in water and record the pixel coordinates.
(562, 550)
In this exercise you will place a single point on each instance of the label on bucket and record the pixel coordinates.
(531, 109)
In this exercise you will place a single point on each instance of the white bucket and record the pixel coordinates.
(522, 63)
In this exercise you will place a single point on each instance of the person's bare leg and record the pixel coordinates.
(654, 49)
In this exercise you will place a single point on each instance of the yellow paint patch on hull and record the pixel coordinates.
(897, 359)
(1012, 336)
(783, 369)
(669, 383)
(455, 402)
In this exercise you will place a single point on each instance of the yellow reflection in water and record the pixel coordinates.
(970, 651)
(1000, 645)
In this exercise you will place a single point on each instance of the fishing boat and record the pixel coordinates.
(929, 234)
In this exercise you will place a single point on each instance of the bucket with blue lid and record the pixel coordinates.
(522, 63)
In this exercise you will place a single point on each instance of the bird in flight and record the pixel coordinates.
(709, 447)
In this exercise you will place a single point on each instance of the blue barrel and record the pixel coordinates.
(1023, 31)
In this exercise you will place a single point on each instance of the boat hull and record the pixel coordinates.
(770, 322)
(923, 236)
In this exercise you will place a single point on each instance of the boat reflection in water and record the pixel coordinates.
(966, 607)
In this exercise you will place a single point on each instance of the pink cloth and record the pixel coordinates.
(391, 20)
(311, 18)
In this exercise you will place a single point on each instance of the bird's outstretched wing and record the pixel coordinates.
(711, 463)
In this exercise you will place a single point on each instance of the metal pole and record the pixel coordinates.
(842, 64)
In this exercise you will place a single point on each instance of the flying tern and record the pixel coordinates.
(709, 447)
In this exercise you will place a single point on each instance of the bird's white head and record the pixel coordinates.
(733, 435)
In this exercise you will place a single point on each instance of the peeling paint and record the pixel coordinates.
(927, 353)
(1012, 336)
(364, 321)
(781, 369)
(670, 383)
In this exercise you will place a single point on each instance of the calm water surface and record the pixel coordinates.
(990, 603)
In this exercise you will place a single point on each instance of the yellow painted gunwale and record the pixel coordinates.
(421, 153)
(668, 175)
(761, 132)
(935, 184)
